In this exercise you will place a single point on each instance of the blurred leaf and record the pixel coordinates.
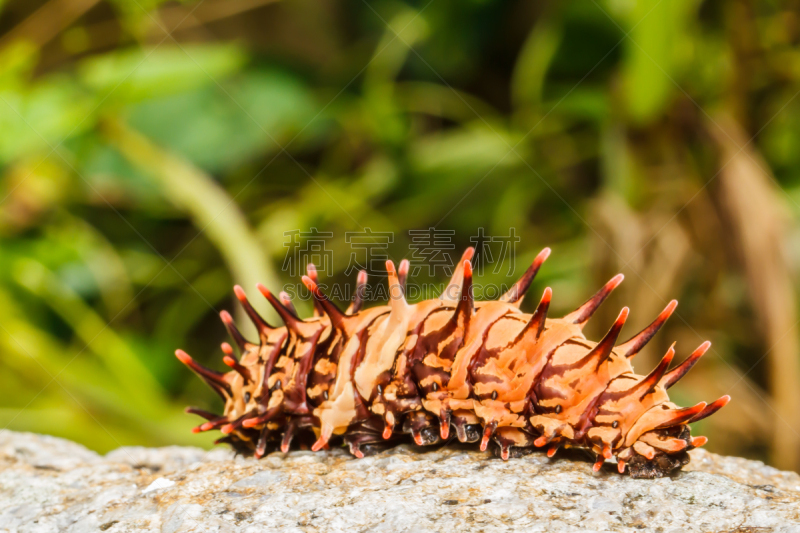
(106, 170)
(100, 261)
(403, 31)
(218, 128)
(140, 16)
(138, 74)
(93, 331)
(475, 149)
(442, 101)
(40, 118)
(17, 61)
(31, 189)
(650, 66)
(531, 67)
(581, 103)
(213, 211)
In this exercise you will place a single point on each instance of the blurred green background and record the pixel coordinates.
(154, 153)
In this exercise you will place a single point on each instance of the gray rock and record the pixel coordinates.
(48, 484)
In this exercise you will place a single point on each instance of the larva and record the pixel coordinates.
(451, 368)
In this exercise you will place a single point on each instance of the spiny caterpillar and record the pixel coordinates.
(481, 368)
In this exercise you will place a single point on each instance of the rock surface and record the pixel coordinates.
(48, 484)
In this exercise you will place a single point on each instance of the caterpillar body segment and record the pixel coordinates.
(451, 368)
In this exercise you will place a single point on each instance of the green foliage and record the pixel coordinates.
(143, 175)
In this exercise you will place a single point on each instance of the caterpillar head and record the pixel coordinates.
(656, 442)
(636, 420)
(656, 462)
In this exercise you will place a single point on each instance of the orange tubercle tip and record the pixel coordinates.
(239, 292)
(183, 357)
(542, 256)
(311, 269)
(548, 294)
(263, 290)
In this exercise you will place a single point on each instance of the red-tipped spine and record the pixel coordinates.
(358, 296)
(712, 408)
(648, 384)
(213, 424)
(287, 302)
(602, 351)
(635, 344)
(582, 314)
(293, 323)
(518, 290)
(263, 327)
(466, 302)
(330, 309)
(402, 273)
(234, 364)
(535, 325)
(683, 415)
(215, 379)
(201, 413)
(449, 294)
(233, 331)
(261, 419)
(682, 369)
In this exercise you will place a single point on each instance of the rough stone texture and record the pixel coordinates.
(48, 484)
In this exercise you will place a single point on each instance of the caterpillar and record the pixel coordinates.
(450, 368)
